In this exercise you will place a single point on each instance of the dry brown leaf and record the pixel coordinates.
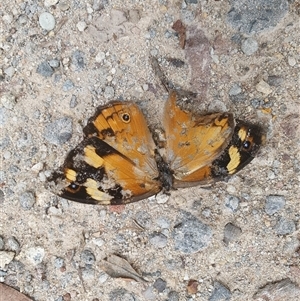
(179, 27)
(118, 267)
(192, 287)
(11, 294)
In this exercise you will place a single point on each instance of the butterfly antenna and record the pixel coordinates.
(160, 74)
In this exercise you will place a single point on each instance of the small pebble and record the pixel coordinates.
(160, 285)
(220, 293)
(149, 294)
(47, 21)
(48, 3)
(249, 46)
(109, 92)
(59, 262)
(27, 200)
(158, 240)
(45, 69)
(235, 89)
(1, 243)
(59, 131)
(35, 255)
(292, 61)
(78, 60)
(143, 218)
(8, 101)
(37, 167)
(100, 57)
(87, 257)
(173, 296)
(275, 80)
(190, 234)
(81, 26)
(231, 233)
(5, 258)
(13, 245)
(73, 102)
(263, 87)
(68, 85)
(10, 71)
(64, 5)
(121, 294)
(102, 277)
(54, 63)
(285, 226)
(232, 202)
(88, 274)
(274, 203)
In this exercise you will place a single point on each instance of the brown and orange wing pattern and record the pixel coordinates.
(115, 163)
(193, 141)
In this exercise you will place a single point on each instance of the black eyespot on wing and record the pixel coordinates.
(125, 117)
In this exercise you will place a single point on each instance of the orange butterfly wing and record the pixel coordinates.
(193, 142)
(115, 163)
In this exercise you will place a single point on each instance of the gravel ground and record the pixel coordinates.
(237, 240)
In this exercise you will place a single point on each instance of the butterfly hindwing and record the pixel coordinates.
(193, 141)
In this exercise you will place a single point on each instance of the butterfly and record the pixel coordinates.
(118, 161)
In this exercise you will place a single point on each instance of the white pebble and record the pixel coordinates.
(37, 167)
(48, 3)
(81, 26)
(263, 87)
(8, 101)
(291, 61)
(47, 21)
(100, 57)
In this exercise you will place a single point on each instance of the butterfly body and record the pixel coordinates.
(118, 161)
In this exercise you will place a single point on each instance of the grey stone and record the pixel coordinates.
(249, 46)
(36, 254)
(120, 294)
(285, 226)
(59, 131)
(231, 233)
(274, 203)
(173, 296)
(45, 69)
(27, 200)
(143, 219)
(73, 101)
(235, 89)
(10, 71)
(1, 243)
(232, 202)
(78, 60)
(158, 240)
(87, 257)
(13, 244)
(220, 293)
(59, 262)
(54, 63)
(68, 85)
(190, 234)
(275, 80)
(251, 16)
(3, 115)
(160, 285)
(8, 100)
(109, 92)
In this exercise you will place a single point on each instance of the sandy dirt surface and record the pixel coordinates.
(237, 240)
